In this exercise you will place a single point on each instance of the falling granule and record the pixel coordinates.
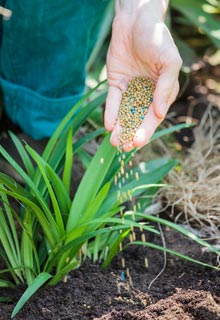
(146, 262)
(134, 236)
(129, 195)
(136, 176)
(133, 215)
(143, 238)
(127, 272)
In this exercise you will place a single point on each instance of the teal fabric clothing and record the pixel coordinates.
(44, 49)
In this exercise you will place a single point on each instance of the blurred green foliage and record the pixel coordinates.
(195, 25)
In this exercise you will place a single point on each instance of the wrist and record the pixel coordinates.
(156, 9)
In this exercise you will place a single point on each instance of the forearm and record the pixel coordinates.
(156, 8)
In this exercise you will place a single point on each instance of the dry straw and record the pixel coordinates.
(195, 193)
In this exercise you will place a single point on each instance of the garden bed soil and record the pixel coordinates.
(183, 291)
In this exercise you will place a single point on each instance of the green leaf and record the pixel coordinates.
(24, 155)
(6, 284)
(163, 132)
(41, 165)
(85, 158)
(63, 197)
(71, 120)
(91, 182)
(8, 226)
(96, 223)
(94, 206)
(50, 229)
(149, 177)
(176, 227)
(5, 299)
(88, 137)
(26, 246)
(55, 149)
(29, 182)
(13, 257)
(60, 275)
(180, 255)
(114, 247)
(67, 171)
(58, 252)
(35, 285)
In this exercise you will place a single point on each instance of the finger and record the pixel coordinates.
(147, 128)
(151, 122)
(165, 86)
(112, 107)
(115, 136)
(128, 146)
(174, 93)
(171, 99)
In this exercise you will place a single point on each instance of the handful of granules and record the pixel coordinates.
(134, 106)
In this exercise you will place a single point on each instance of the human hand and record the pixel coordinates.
(141, 45)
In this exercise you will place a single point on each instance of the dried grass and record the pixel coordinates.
(195, 195)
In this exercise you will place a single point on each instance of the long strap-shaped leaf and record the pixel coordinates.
(91, 182)
(150, 177)
(176, 227)
(23, 154)
(49, 229)
(175, 253)
(41, 165)
(26, 178)
(55, 149)
(9, 228)
(36, 284)
(65, 124)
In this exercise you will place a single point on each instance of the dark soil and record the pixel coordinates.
(183, 291)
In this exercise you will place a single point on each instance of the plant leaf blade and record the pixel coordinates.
(36, 284)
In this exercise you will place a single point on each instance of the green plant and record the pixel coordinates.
(46, 240)
(195, 27)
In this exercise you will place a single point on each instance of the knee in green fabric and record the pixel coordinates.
(36, 115)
